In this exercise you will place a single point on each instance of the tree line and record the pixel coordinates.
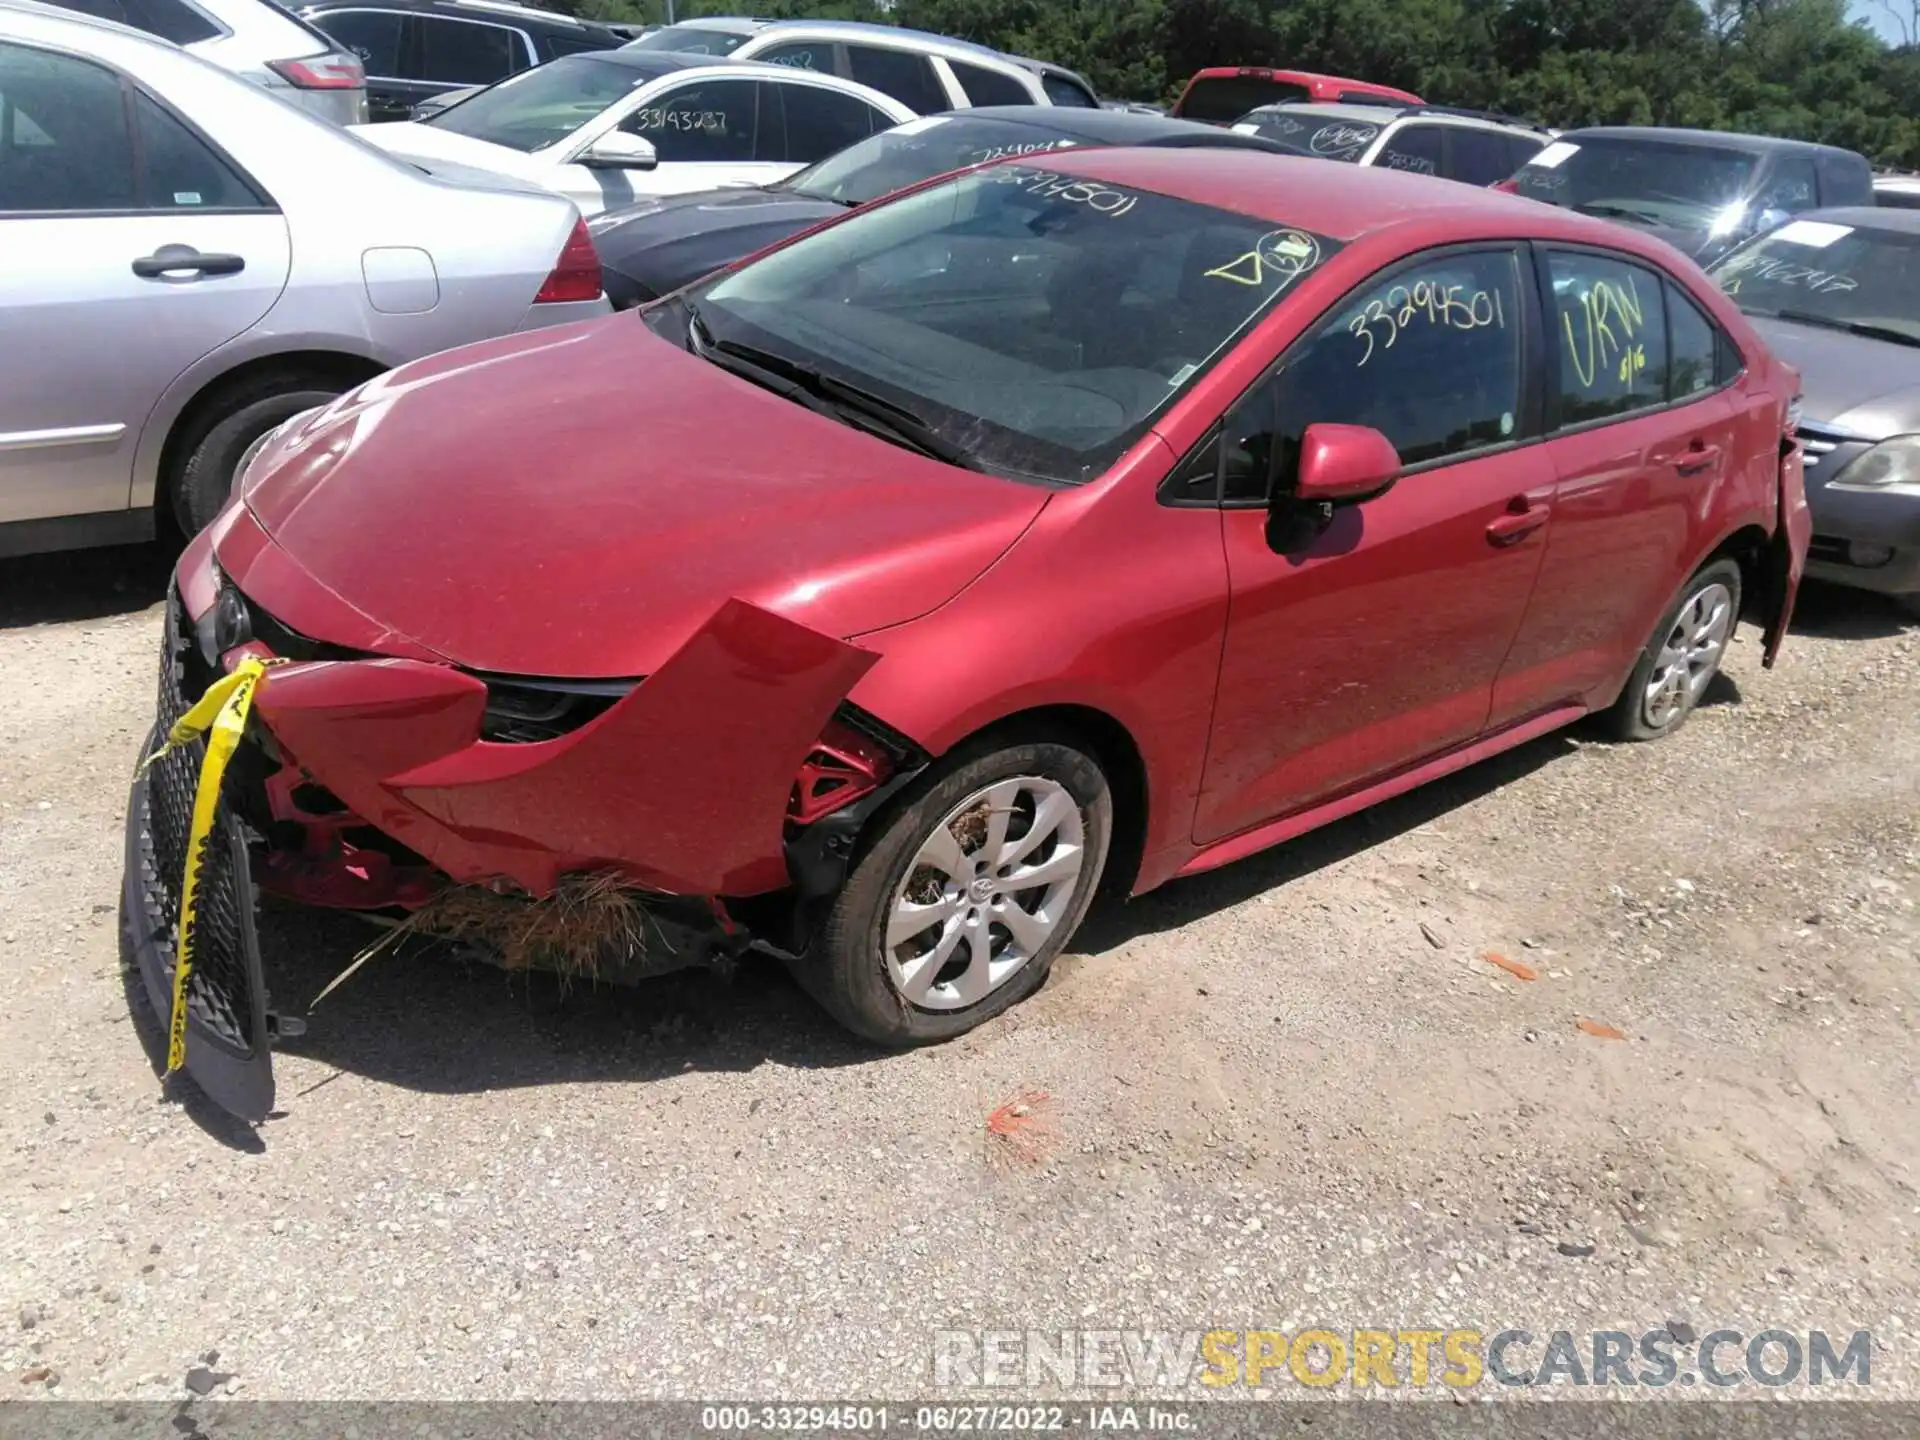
(1777, 67)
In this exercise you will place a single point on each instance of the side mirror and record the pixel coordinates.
(617, 150)
(1341, 464)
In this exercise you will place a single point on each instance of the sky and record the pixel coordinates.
(1875, 14)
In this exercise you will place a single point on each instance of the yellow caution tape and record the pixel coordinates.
(221, 715)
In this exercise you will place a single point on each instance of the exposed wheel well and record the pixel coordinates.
(194, 418)
(1747, 548)
(1119, 758)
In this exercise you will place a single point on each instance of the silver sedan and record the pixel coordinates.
(192, 261)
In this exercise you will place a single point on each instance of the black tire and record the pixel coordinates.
(1631, 717)
(211, 452)
(846, 968)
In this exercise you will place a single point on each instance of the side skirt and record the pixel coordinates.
(1274, 832)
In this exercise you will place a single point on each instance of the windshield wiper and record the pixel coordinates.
(824, 394)
(1852, 327)
(1618, 212)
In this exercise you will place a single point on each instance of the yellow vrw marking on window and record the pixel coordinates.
(220, 715)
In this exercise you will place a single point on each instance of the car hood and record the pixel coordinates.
(664, 243)
(577, 502)
(1854, 382)
(432, 148)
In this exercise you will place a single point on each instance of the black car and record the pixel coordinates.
(1702, 190)
(657, 245)
(1836, 294)
(414, 49)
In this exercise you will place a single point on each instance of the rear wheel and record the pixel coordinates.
(957, 908)
(1682, 656)
(226, 436)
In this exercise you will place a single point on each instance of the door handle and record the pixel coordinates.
(1516, 525)
(1699, 457)
(173, 259)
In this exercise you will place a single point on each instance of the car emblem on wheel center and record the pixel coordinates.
(981, 890)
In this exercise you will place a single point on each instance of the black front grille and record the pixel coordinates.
(525, 712)
(220, 989)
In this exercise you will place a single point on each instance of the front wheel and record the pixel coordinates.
(957, 908)
(228, 437)
(1682, 656)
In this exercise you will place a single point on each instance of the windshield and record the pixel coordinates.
(542, 106)
(1844, 276)
(1034, 322)
(1228, 97)
(1654, 182)
(919, 150)
(692, 39)
(1326, 137)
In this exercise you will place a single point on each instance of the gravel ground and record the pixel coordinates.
(1290, 1093)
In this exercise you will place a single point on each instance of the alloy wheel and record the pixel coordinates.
(984, 893)
(1689, 655)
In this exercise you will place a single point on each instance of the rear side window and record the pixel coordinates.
(64, 140)
(169, 19)
(1062, 91)
(908, 78)
(819, 122)
(466, 52)
(1478, 157)
(1693, 347)
(1412, 147)
(1225, 98)
(709, 123)
(1611, 338)
(373, 35)
(989, 87)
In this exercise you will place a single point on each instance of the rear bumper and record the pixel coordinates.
(539, 317)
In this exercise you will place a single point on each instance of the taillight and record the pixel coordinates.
(576, 275)
(334, 71)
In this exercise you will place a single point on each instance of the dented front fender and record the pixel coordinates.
(682, 786)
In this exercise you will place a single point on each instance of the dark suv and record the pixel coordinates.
(1703, 190)
(415, 49)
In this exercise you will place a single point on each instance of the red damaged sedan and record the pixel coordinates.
(1068, 524)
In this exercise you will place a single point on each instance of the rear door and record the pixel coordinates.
(906, 75)
(1642, 437)
(801, 122)
(135, 247)
(452, 54)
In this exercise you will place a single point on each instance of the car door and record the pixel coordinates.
(1364, 640)
(135, 247)
(448, 53)
(1640, 436)
(801, 122)
(381, 40)
(1416, 148)
(906, 75)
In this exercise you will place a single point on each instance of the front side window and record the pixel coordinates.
(907, 77)
(710, 123)
(1415, 148)
(1836, 277)
(989, 87)
(1649, 182)
(373, 35)
(542, 106)
(64, 140)
(1036, 320)
(800, 55)
(1610, 336)
(918, 150)
(821, 122)
(1429, 357)
(466, 52)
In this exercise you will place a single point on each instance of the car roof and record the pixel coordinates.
(501, 9)
(1217, 72)
(869, 30)
(1868, 217)
(652, 63)
(1386, 112)
(1116, 127)
(1719, 139)
(1342, 202)
(730, 24)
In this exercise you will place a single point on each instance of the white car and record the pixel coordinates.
(606, 128)
(192, 262)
